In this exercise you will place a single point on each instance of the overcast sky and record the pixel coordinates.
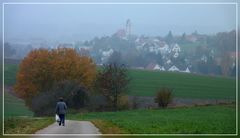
(81, 22)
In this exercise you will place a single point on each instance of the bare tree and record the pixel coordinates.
(226, 63)
(112, 82)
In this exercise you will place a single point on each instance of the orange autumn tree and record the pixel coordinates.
(41, 68)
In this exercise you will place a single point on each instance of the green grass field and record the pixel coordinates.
(14, 107)
(146, 83)
(10, 71)
(197, 120)
(209, 119)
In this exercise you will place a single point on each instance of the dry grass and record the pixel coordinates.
(25, 125)
(107, 127)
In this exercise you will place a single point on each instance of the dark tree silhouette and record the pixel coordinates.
(169, 38)
(112, 82)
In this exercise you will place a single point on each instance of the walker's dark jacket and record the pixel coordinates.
(61, 108)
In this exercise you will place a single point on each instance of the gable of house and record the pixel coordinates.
(173, 68)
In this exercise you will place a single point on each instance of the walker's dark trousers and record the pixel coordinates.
(62, 119)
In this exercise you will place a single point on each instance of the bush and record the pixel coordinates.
(123, 103)
(74, 95)
(99, 103)
(135, 102)
(164, 97)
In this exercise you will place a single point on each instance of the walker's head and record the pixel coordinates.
(60, 99)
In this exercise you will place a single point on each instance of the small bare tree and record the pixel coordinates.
(112, 82)
(164, 97)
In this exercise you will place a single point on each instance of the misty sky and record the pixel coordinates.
(81, 22)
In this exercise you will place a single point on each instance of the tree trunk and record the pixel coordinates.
(115, 100)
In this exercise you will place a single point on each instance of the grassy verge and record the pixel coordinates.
(192, 120)
(25, 125)
(107, 127)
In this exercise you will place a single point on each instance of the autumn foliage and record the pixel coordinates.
(43, 68)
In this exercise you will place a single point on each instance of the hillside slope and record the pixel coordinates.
(146, 83)
(184, 85)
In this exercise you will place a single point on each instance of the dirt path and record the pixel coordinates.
(71, 127)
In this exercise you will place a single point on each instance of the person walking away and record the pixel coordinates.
(61, 111)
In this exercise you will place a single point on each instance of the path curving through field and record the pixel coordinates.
(71, 127)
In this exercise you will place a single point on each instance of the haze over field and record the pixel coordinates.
(67, 23)
(168, 37)
(166, 68)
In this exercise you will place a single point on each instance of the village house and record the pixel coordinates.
(173, 68)
(154, 66)
(176, 48)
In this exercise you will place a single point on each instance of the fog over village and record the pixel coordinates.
(152, 41)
